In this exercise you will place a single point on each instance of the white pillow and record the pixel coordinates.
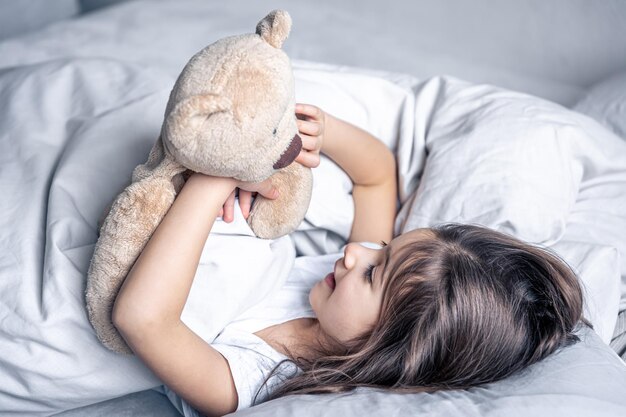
(494, 157)
(606, 103)
(597, 267)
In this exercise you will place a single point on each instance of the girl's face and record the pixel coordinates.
(353, 305)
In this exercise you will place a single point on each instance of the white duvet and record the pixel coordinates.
(72, 129)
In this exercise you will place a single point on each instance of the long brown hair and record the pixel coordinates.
(466, 307)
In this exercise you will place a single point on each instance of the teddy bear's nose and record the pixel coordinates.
(290, 153)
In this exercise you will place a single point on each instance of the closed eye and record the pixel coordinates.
(368, 273)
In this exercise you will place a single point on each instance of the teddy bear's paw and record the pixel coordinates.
(271, 219)
(268, 221)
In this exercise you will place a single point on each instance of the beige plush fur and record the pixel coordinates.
(230, 113)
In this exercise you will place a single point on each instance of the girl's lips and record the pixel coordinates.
(330, 280)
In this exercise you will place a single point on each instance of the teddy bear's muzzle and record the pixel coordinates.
(290, 153)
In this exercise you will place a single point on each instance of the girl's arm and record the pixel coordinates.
(368, 162)
(149, 304)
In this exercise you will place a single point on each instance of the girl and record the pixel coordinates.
(448, 307)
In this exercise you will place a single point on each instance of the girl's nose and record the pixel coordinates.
(351, 253)
(353, 250)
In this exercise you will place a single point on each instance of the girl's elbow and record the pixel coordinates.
(135, 319)
(126, 319)
(388, 165)
(120, 319)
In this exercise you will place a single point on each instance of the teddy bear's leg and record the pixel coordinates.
(270, 219)
(134, 216)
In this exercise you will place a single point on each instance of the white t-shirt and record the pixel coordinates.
(250, 358)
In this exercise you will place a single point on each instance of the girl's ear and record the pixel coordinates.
(275, 27)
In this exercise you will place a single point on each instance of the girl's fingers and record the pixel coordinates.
(309, 128)
(229, 207)
(265, 188)
(310, 143)
(309, 156)
(221, 212)
(308, 159)
(245, 199)
(309, 110)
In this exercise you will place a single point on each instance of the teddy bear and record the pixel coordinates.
(231, 113)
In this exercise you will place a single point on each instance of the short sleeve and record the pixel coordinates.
(251, 361)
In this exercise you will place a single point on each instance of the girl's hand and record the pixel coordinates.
(245, 202)
(311, 125)
(246, 190)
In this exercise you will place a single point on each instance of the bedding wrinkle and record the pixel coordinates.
(414, 151)
(48, 277)
(429, 96)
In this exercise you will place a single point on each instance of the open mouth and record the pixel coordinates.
(291, 153)
(330, 280)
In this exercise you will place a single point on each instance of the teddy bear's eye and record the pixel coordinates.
(274, 132)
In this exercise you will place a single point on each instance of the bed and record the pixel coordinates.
(77, 92)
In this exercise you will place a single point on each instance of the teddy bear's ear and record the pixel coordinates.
(274, 28)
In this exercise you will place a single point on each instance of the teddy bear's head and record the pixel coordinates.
(231, 112)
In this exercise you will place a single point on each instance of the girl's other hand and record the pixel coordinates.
(311, 126)
(246, 191)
